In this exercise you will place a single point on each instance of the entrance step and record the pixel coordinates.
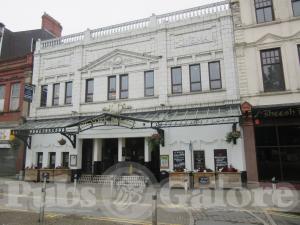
(137, 181)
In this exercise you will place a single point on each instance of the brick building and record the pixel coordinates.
(16, 63)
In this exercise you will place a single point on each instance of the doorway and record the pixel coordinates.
(109, 153)
(134, 150)
(87, 156)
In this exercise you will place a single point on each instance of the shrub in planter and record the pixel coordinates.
(233, 136)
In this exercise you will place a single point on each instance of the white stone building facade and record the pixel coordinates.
(267, 37)
(190, 56)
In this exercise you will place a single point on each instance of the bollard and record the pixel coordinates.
(75, 183)
(43, 199)
(274, 187)
(154, 209)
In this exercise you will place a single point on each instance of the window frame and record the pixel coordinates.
(220, 73)
(172, 85)
(281, 67)
(195, 82)
(41, 97)
(120, 86)
(38, 164)
(53, 97)
(11, 97)
(272, 10)
(292, 2)
(66, 96)
(108, 88)
(86, 90)
(145, 87)
(63, 162)
(51, 163)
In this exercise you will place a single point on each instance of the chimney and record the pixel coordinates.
(51, 25)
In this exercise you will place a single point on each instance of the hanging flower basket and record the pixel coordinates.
(233, 136)
(62, 141)
(155, 140)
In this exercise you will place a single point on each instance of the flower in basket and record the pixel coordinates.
(62, 141)
(155, 139)
(229, 169)
(233, 136)
(204, 169)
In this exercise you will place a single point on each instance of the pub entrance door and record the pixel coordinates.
(87, 156)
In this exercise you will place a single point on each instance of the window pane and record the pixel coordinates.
(112, 95)
(296, 8)
(68, 94)
(196, 87)
(44, 91)
(260, 16)
(149, 79)
(65, 159)
(265, 136)
(214, 71)
(149, 92)
(289, 135)
(176, 75)
(124, 94)
(124, 82)
(216, 84)
(268, 163)
(112, 83)
(14, 97)
(90, 86)
(2, 91)
(177, 89)
(290, 158)
(55, 98)
(195, 73)
(272, 70)
(268, 14)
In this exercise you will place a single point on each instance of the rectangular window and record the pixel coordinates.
(2, 93)
(264, 11)
(272, 70)
(195, 78)
(65, 159)
(123, 86)
(89, 90)
(220, 158)
(111, 88)
(296, 7)
(149, 83)
(52, 158)
(176, 77)
(44, 92)
(68, 93)
(14, 97)
(55, 94)
(215, 81)
(39, 162)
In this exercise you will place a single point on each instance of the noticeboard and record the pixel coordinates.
(179, 159)
(220, 156)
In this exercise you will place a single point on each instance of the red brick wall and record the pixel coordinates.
(51, 25)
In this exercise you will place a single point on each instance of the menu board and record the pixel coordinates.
(199, 160)
(220, 156)
(178, 159)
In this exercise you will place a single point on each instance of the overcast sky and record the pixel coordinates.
(78, 15)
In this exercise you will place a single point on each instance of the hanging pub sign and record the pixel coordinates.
(220, 156)
(28, 92)
(179, 159)
(278, 112)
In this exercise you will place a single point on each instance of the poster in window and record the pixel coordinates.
(73, 160)
(199, 160)
(220, 157)
(179, 160)
(164, 162)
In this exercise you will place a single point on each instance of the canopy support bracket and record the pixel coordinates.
(26, 140)
(71, 137)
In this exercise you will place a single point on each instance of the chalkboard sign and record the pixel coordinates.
(203, 180)
(199, 160)
(179, 160)
(220, 156)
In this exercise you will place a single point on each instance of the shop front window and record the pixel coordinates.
(14, 97)
(52, 157)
